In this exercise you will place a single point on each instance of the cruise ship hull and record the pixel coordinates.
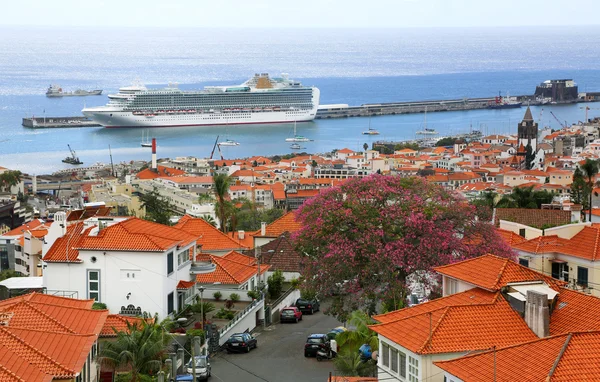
(123, 119)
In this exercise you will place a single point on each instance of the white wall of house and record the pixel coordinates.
(140, 275)
(451, 286)
(247, 323)
(227, 289)
(521, 229)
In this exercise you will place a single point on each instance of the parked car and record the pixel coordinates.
(202, 367)
(290, 314)
(240, 342)
(314, 342)
(308, 306)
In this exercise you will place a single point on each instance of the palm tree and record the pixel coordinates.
(350, 364)
(209, 219)
(590, 170)
(349, 341)
(221, 182)
(139, 349)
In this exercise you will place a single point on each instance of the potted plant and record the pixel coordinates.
(217, 295)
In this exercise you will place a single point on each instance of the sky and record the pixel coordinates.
(300, 13)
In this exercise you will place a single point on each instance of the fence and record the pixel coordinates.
(254, 306)
(287, 298)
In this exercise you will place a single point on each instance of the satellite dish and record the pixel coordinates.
(374, 355)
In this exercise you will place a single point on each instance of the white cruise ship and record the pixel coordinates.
(261, 99)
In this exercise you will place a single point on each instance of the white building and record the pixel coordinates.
(132, 266)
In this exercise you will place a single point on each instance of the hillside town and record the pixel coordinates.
(208, 256)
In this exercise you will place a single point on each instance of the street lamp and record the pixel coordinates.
(202, 305)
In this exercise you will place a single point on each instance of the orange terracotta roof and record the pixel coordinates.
(510, 237)
(493, 273)
(345, 151)
(47, 336)
(137, 235)
(27, 226)
(460, 328)
(182, 284)
(575, 311)
(230, 270)
(474, 296)
(209, 237)
(286, 223)
(161, 172)
(568, 357)
(59, 252)
(118, 323)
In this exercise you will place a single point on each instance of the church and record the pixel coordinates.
(527, 135)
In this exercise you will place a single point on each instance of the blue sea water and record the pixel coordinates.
(349, 66)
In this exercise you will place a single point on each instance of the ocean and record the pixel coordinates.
(350, 66)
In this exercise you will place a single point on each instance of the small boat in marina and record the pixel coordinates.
(370, 131)
(296, 146)
(296, 137)
(229, 142)
(147, 142)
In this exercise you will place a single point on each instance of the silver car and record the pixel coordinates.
(202, 367)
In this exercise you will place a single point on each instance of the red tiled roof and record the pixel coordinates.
(27, 226)
(137, 235)
(284, 256)
(162, 171)
(568, 357)
(575, 311)
(182, 284)
(493, 273)
(233, 268)
(118, 323)
(209, 237)
(454, 329)
(286, 223)
(510, 237)
(475, 296)
(45, 337)
(533, 217)
(64, 248)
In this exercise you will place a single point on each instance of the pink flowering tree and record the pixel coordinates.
(362, 239)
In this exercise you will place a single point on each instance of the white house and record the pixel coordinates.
(132, 266)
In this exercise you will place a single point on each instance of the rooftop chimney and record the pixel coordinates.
(537, 313)
(263, 229)
(241, 234)
(154, 167)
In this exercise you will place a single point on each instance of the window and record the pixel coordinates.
(582, 276)
(413, 369)
(170, 303)
(93, 281)
(385, 350)
(402, 364)
(524, 262)
(560, 271)
(451, 286)
(394, 362)
(182, 257)
(169, 263)
(522, 232)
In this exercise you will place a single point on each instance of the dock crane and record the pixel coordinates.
(586, 111)
(564, 126)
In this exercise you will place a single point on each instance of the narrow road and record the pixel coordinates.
(279, 356)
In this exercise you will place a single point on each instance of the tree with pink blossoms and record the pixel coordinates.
(363, 239)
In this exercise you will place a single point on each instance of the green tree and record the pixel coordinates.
(204, 307)
(351, 340)
(223, 206)
(158, 208)
(9, 178)
(365, 146)
(249, 218)
(8, 273)
(589, 170)
(402, 146)
(140, 349)
(275, 284)
(446, 141)
(529, 156)
(525, 197)
(209, 219)
(579, 189)
(350, 364)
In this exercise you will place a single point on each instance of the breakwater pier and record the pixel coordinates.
(56, 122)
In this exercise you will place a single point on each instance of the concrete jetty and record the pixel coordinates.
(57, 122)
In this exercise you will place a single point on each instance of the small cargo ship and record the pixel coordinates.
(57, 91)
(507, 102)
(73, 159)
